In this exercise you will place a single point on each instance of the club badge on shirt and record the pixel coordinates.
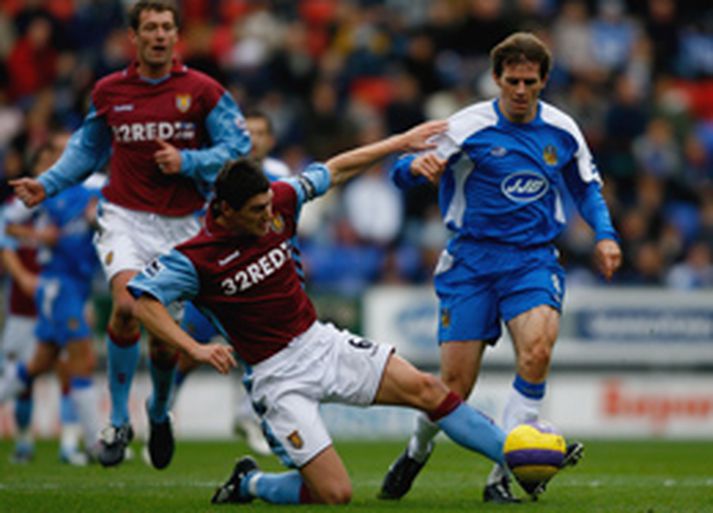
(550, 155)
(183, 102)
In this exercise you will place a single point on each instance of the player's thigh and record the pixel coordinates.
(460, 364)
(327, 478)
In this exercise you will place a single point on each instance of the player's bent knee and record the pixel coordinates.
(431, 392)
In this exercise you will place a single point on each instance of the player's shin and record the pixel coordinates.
(282, 488)
(123, 357)
(162, 377)
(470, 428)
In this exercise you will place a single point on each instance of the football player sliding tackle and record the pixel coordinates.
(238, 270)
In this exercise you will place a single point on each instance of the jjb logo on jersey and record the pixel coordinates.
(524, 186)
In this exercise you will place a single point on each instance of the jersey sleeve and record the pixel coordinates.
(87, 150)
(168, 278)
(229, 137)
(312, 183)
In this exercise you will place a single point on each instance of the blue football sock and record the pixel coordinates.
(23, 412)
(162, 378)
(282, 488)
(122, 362)
(527, 389)
(67, 411)
(470, 428)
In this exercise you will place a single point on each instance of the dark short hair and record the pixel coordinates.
(152, 5)
(259, 114)
(238, 181)
(518, 48)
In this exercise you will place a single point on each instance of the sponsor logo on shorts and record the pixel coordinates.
(109, 258)
(295, 440)
(524, 186)
(445, 318)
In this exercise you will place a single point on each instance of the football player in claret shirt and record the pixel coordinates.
(239, 271)
(502, 168)
(166, 130)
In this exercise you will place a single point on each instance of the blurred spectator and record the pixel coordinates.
(695, 272)
(638, 76)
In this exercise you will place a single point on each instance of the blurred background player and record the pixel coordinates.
(18, 342)
(245, 422)
(63, 231)
(166, 130)
(502, 169)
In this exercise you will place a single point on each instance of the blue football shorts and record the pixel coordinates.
(489, 283)
(60, 306)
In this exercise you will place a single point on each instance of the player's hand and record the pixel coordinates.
(168, 158)
(29, 190)
(430, 166)
(28, 283)
(219, 356)
(607, 257)
(421, 137)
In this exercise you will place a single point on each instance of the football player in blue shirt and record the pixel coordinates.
(502, 168)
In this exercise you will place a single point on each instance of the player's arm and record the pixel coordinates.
(229, 140)
(88, 149)
(345, 165)
(169, 278)
(584, 185)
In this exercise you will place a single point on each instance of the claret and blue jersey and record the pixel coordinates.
(504, 181)
(249, 288)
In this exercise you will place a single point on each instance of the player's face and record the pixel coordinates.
(520, 86)
(154, 40)
(254, 218)
(261, 137)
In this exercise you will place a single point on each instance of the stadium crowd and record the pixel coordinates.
(332, 74)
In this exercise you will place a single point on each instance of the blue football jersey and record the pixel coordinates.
(505, 181)
(74, 253)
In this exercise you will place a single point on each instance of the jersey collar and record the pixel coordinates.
(177, 68)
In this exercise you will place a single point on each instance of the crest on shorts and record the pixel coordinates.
(73, 324)
(445, 318)
(183, 102)
(109, 258)
(295, 440)
(549, 155)
(278, 223)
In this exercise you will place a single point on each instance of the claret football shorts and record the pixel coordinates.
(324, 364)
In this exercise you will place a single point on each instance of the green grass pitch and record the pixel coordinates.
(622, 476)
